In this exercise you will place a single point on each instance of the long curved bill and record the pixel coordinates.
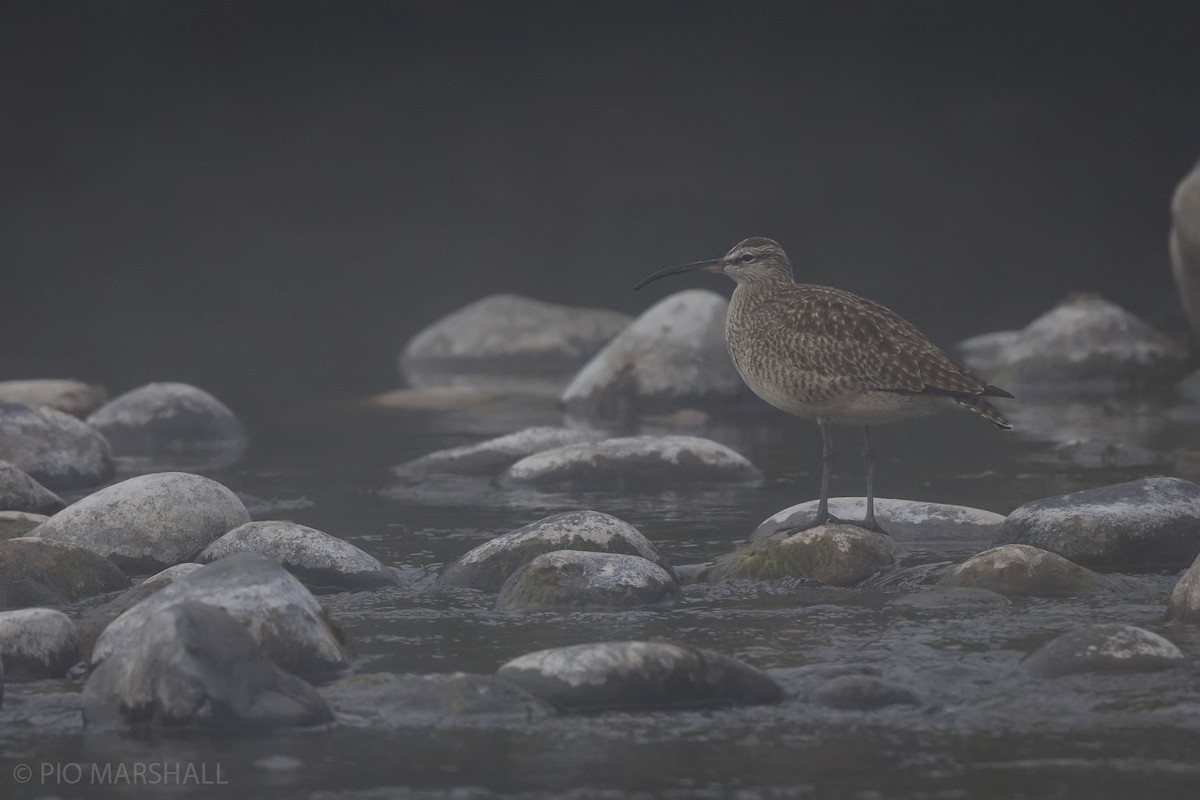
(711, 265)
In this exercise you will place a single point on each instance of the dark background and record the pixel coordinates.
(268, 198)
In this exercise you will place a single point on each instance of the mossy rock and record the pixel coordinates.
(841, 555)
(1019, 570)
(34, 573)
(581, 579)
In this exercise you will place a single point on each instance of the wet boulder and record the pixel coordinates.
(389, 700)
(583, 579)
(319, 560)
(633, 463)
(171, 425)
(19, 492)
(639, 676)
(280, 614)
(507, 333)
(92, 622)
(1104, 648)
(149, 522)
(1144, 523)
(1184, 602)
(863, 693)
(18, 523)
(494, 455)
(904, 520)
(841, 555)
(488, 566)
(38, 573)
(194, 665)
(674, 354)
(70, 397)
(55, 449)
(1018, 570)
(1185, 244)
(37, 643)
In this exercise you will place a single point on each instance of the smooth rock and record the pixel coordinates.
(1104, 648)
(171, 425)
(194, 665)
(317, 559)
(70, 397)
(37, 643)
(585, 579)
(1018, 570)
(279, 613)
(1184, 602)
(1185, 244)
(904, 520)
(641, 676)
(149, 522)
(38, 573)
(984, 351)
(494, 455)
(389, 700)
(1100, 454)
(863, 693)
(841, 555)
(92, 622)
(509, 333)
(18, 523)
(1147, 522)
(19, 492)
(673, 354)
(488, 566)
(55, 449)
(635, 463)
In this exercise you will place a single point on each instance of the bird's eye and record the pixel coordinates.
(748, 257)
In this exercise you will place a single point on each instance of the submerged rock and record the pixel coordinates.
(19, 492)
(18, 523)
(1184, 603)
(38, 573)
(584, 579)
(37, 643)
(639, 676)
(1147, 522)
(1100, 454)
(635, 462)
(673, 354)
(1018, 570)
(1185, 244)
(149, 522)
(389, 700)
(279, 613)
(953, 598)
(171, 425)
(904, 520)
(488, 566)
(316, 558)
(1104, 648)
(841, 555)
(863, 693)
(55, 449)
(193, 664)
(494, 455)
(70, 397)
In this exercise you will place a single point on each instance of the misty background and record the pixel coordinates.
(267, 199)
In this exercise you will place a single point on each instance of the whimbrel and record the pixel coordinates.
(828, 355)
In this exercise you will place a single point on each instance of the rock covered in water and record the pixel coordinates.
(863, 693)
(19, 523)
(673, 354)
(585, 579)
(193, 664)
(390, 700)
(1185, 244)
(1018, 570)
(1104, 648)
(952, 598)
(494, 455)
(1184, 603)
(38, 573)
(640, 676)
(1147, 522)
(635, 462)
(149, 522)
(1101, 454)
(841, 555)
(279, 613)
(70, 397)
(316, 558)
(37, 643)
(19, 492)
(905, 520)
(55, 449)
(509, 333)
(173, 424)
(488, 566)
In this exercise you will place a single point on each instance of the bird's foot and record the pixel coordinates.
(830, 519)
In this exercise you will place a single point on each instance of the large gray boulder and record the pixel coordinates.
(494, 455)
(279, 613)
(70, 397)
(674, 354)
(488, 566)
(639, 676)
(1185, 244)
(14, 524)
(149, 522)
(55, 449)
(37, 573)
(390, 701)
(19, 492)
(1143, 523)
(1018, 570)
(635, 462)
(904, 520)
(92, 622)
(319, 560)
(1184, 602)
(37, 643)
(194, 665)
(1104, 648)
(584, 579)
(841, 555)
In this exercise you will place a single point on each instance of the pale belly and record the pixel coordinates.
(856, 407)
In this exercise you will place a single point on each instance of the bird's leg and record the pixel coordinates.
(823, 514)
(868, 455)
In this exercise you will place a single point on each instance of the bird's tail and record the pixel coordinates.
(985, 409)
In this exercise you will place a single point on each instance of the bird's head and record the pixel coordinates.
(753, 260)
